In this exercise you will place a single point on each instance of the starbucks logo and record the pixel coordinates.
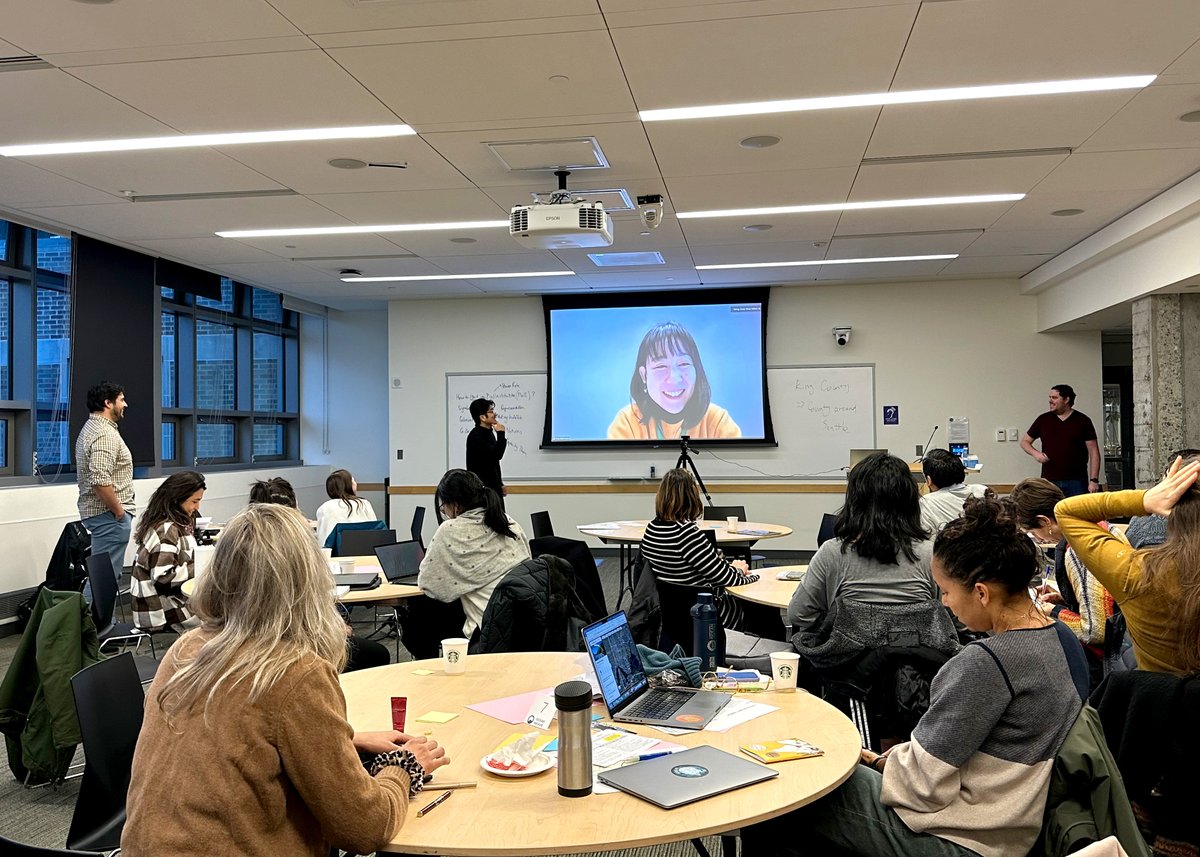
(785, 671)
(452, 657)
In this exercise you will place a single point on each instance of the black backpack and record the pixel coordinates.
(67, 569)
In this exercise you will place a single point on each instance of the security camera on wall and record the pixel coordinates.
(841, 336)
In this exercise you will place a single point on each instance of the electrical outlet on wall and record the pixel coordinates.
(1012, 434)
(1001, 435)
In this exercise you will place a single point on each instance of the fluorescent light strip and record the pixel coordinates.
(819, 262)
(360, 230)
(181, 141)
(912, 96)
(458, 277)
(853, 206)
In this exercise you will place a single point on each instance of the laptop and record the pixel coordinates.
(688, 776)
(400, 562)
(857, 455)
(627, 691)
(358, 580)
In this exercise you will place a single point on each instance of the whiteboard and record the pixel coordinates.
(820, 413)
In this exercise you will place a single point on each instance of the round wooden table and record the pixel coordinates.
(628, 532)
(383, 595)
(527, 816)
(768, 589)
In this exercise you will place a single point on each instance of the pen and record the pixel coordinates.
(429, 806)
(647, 756)
(447, 786)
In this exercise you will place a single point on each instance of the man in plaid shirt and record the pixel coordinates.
(104, 471)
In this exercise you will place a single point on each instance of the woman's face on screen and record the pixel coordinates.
(670, 380)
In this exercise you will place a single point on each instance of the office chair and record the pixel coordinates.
(825, 531)
(417, 525)
(104, 598)
(541, 525)
(337, 537)
(720, 513)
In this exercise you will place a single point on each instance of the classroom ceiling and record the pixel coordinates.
(466, 73)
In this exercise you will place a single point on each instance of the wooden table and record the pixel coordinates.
(768, 589)
(386, 594)
(527, 816)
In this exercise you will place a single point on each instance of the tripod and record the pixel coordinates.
(685, 463)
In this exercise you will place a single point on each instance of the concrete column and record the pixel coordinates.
(1166, 380)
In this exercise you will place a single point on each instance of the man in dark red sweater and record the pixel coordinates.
(1070, 453)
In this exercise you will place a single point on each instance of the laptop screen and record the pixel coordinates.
(615, 658)
(400, 561)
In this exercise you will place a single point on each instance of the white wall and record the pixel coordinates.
(968, 348)
(32, 518)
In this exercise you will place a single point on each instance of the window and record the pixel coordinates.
(216, 366)
(215, 440)
(267, 306)
(5, 337)
(225, 304)
(268, 440)
(268, 372)
(5, 450)
(170, 452)
(53, 253)
(53, 379)
(169, 366)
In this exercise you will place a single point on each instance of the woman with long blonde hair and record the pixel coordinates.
(245, 746)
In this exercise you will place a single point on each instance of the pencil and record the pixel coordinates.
(448, 786)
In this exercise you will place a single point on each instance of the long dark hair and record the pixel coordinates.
(463, 489)
(339, 485)
(663, 340)
(882, 515)
(166, 501)
(276, 490)
(987, 545)
(1181, 552)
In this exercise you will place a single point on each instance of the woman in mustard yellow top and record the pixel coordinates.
(670, 392)
(1158, 589)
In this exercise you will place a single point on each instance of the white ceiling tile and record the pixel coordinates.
(965, 43)
(8, 49)
(152, 53)
(168, 171)
(758, 276)
(1099, 209)
(494, 78)
(303, 89)
(48, 105)
(623, 143)
(873, 246)
(1013, 266)
(347, 17)
(44, 28)
(531, 285)
(485, 242)
(784, 251)
(520, 260)
(639, 13)
(642, 278)
(1151, 121)
(1186, 69)
(1026, 242)
(952, 178)
(418, 206)
(791, 187)
(304, 167)
(764, 58)
(992, 125)
(207, 252)
(674, 258)
(927, 219)
(304, 247)
(721, 231)
(23, 184)
(1127, 170)
(275, 273)
(880, 271)
(415, 291)
(832, 138)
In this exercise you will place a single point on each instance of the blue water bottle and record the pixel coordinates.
(706, 633)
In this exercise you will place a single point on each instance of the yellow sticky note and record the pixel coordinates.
(422, 672)
(436, 717)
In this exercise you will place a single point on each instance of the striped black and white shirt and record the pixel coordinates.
(680, 553)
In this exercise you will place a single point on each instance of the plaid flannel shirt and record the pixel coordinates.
(164, 561)
(102, 458)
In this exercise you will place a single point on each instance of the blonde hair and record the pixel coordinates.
(266, 601)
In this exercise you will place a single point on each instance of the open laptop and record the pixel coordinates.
(626, 690)
(688, 776)
(857, 455)
(400, 562)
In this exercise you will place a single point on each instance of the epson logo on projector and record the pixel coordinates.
(558, 225)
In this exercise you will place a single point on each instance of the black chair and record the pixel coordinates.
(104, 599)
(825, 531)
(334, 539)
(541, 525)
(17, 849)
(579, 555)
(363, 542)
(417, 525)
(677, 602)
(720, 513)
(425, 622)
(109, 703)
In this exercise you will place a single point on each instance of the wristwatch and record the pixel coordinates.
(1094, 479)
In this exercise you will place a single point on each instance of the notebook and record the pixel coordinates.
(627, 691)
(400, 562)
(686, 777)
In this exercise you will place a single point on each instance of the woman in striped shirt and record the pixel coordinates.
(678, 552)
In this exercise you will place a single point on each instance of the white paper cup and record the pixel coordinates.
(346, 566)
(731, 524)
(784, 666)
(454, 655)
(327, 553)
(334, 568)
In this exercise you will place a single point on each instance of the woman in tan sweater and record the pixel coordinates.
(1158, 589)
(245, 748)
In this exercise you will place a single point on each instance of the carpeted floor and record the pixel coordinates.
(42, 816)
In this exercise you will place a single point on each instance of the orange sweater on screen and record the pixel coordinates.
(628, 425)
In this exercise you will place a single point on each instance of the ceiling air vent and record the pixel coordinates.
(25, 62)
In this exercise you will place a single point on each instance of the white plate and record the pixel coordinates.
(528, 772)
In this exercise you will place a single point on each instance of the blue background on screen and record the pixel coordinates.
(594, 352)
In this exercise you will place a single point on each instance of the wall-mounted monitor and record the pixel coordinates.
(645, 368)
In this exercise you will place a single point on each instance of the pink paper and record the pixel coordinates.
(511, 709)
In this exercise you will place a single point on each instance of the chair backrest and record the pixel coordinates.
(825, 531)
(587, 579)
(677, 602)
(104, 590)
(541, 525)
(109, 703)
(720, 513)
(340, 531)
(425, 623)
(417, 525)
(535, 608)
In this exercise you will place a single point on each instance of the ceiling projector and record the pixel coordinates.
(561, 224)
